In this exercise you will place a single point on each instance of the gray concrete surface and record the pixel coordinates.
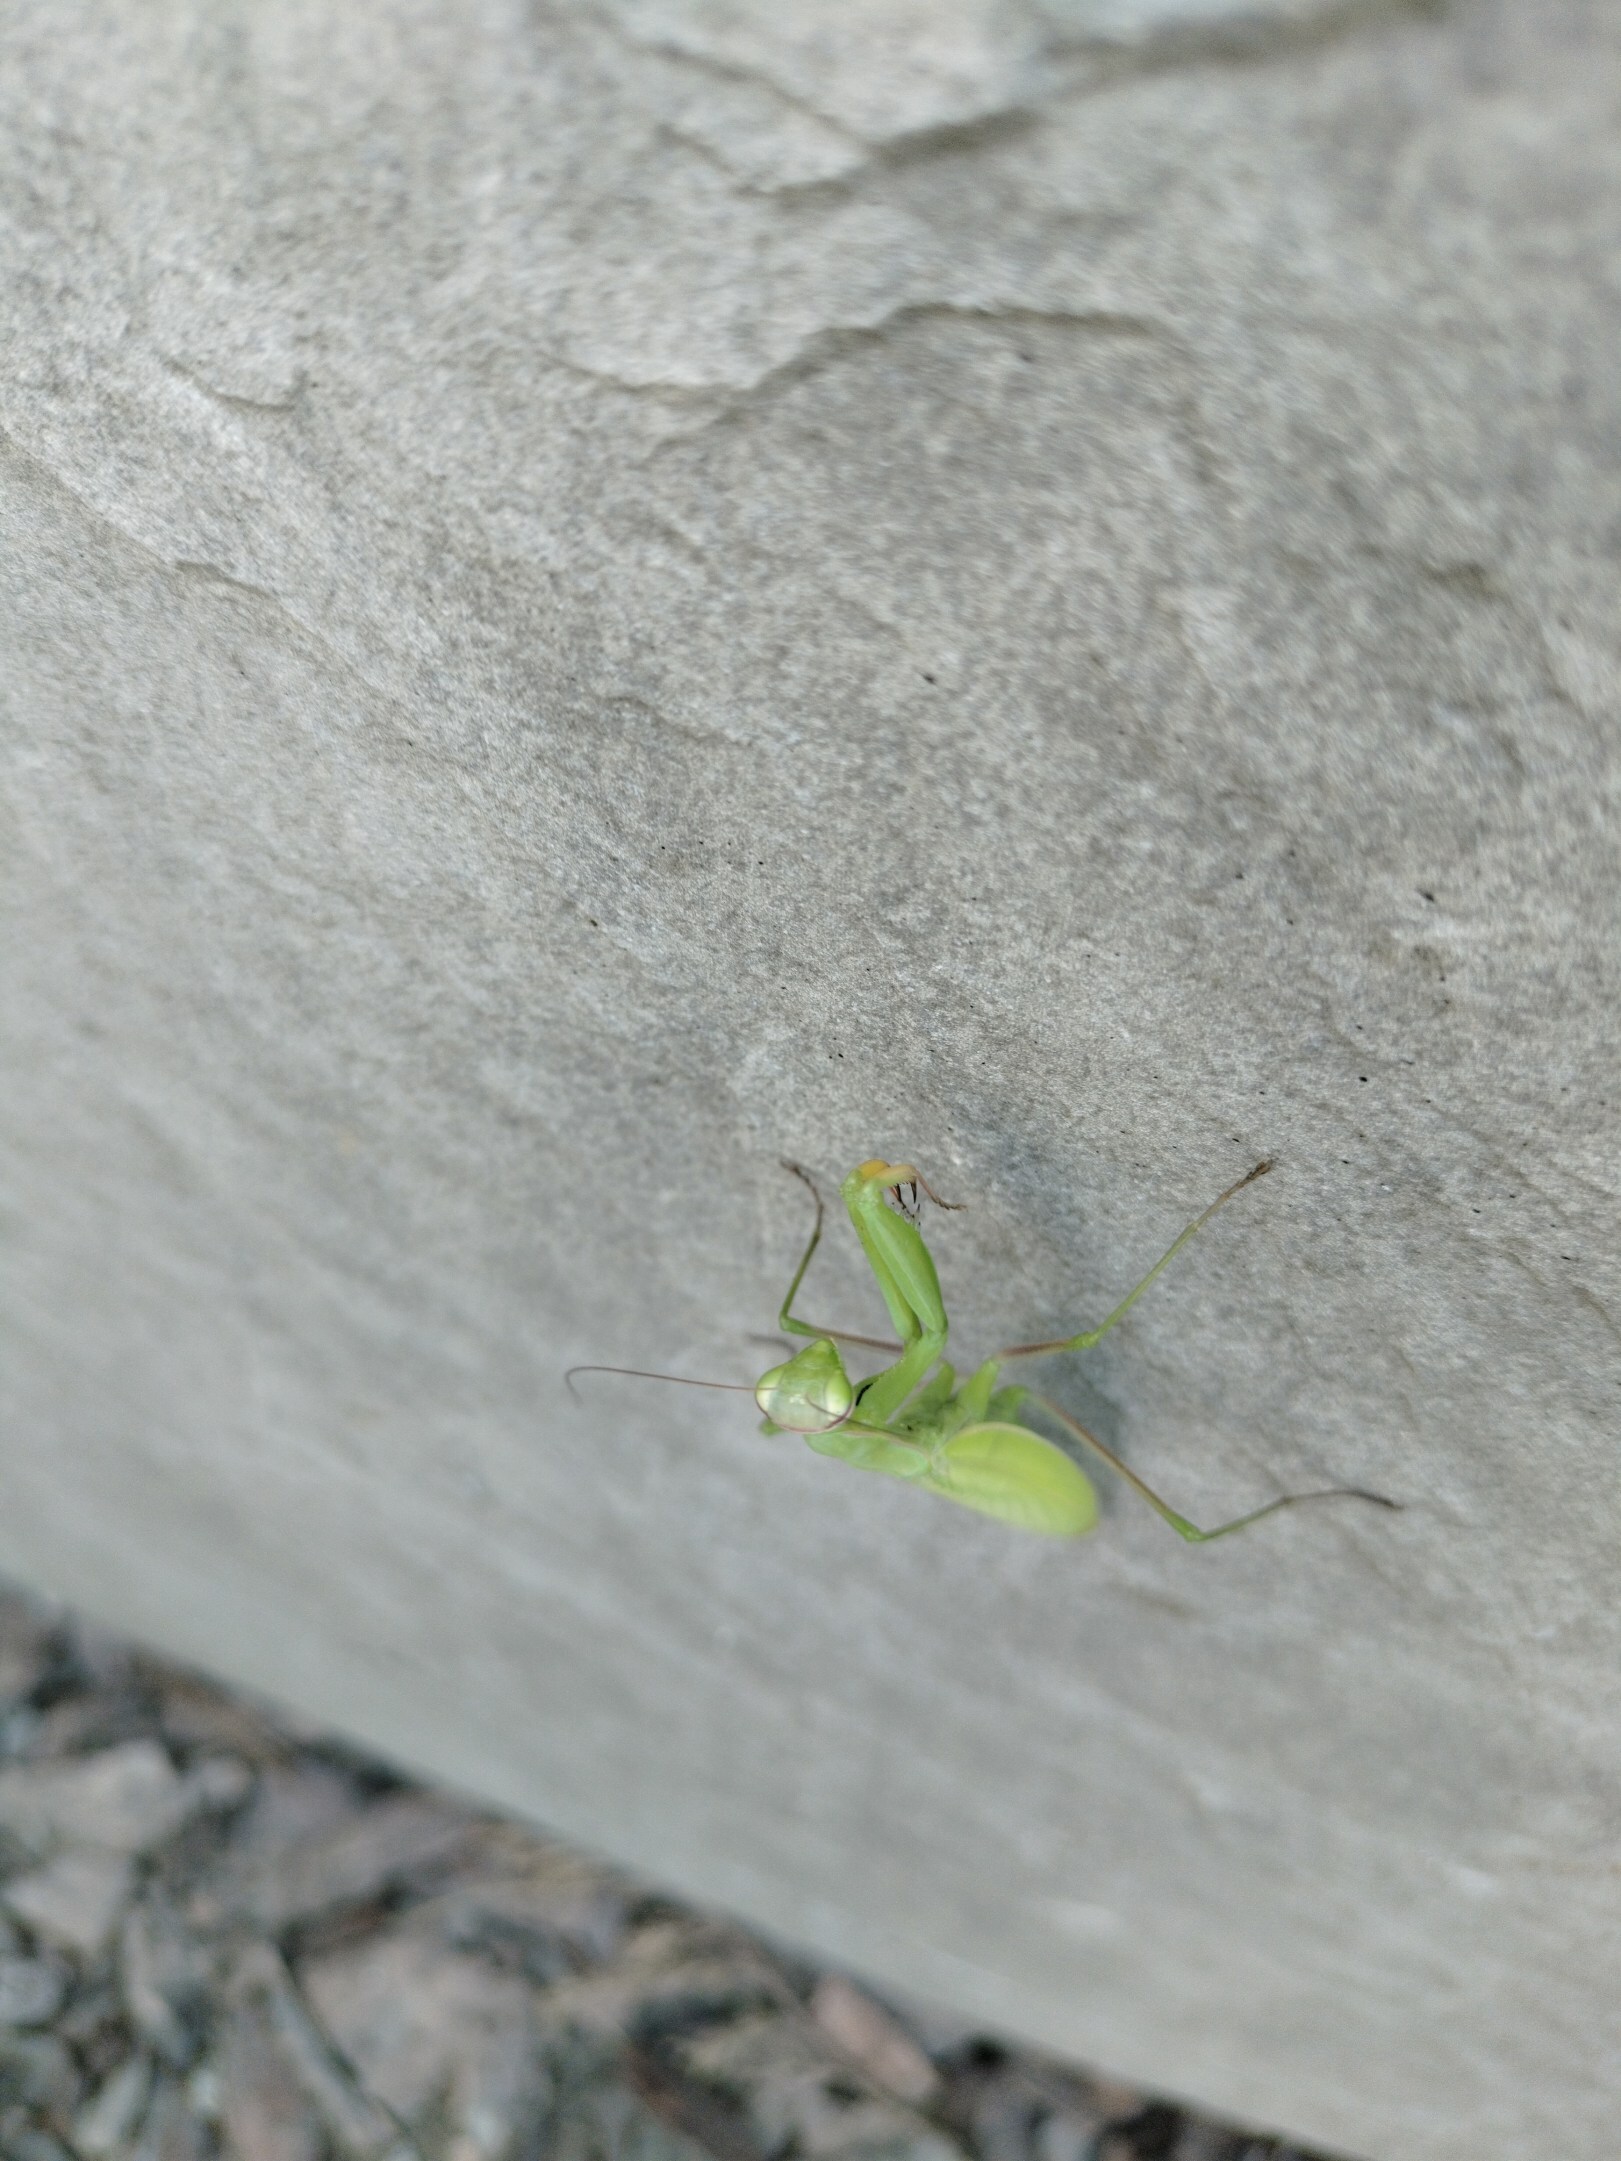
(594, 596)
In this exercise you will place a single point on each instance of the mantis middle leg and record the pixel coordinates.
(1088, 1337)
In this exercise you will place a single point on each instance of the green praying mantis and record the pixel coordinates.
(911, 1420)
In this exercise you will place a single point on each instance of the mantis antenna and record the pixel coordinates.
(641, 1373)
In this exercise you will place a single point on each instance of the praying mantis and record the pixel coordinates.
(911, 1420)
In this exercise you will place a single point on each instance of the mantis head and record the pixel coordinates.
(811, 1393)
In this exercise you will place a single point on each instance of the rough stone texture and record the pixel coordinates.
(597, 595)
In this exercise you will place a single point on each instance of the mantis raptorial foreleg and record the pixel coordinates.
(787, 1321)
(905, 1274)
(1088, 1337)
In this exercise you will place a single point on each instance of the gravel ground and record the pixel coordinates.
(220, 1935)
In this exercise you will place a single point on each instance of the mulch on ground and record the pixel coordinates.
(221, 1936)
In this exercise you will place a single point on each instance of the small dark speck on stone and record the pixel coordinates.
(1425, 894)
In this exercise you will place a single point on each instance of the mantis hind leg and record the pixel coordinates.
(1180, 1524)
(1088, 1337)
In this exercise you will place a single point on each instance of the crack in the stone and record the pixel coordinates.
(233, 399)
(1470, 579)
(952, 138)
(903, 146)
(189, 566)
(40, 465)
(1247, 37)
(731, 71)
(211, 574)
(1585, 1297)
(823, 348)
(1466, 578)
(899, 153)
(1062, 63)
